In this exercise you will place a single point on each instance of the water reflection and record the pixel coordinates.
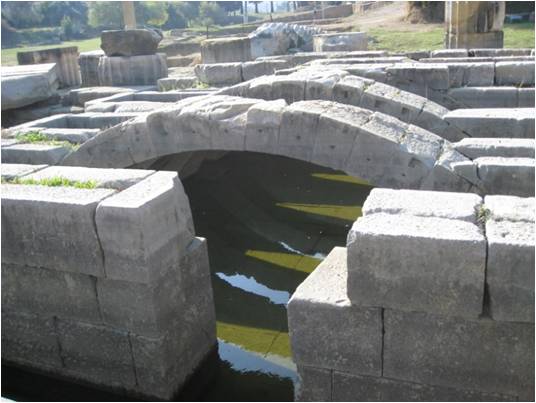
(269, 222)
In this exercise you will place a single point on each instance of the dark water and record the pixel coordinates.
(269, 222)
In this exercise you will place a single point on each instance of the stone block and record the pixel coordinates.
(525, 97)
(262, 126)
(132, 70)
(350, 388)
(349, 90)
(226, 50)
(30, 340)
(130, 42)
(514, 73)
(336, 133)
(44, 292)
(449, 53)
(507, 176)
(65, 58)
(314, 385)
(485, 355)
(410, 150)
(510, 208)
(483, 97)
(435, 76)
(471, 74)
(220, 73)
(496, 147)
(494, 122)
(510, 269)
(11, 171)
(347, 41)
(52, 227)
(145, 228)
(454, 206)
(433, 265)
(34, 153)
(97, 354)
(74, 136)
(319, 305)
(288, 88)
(320, 86)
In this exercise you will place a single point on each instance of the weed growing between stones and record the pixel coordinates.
(483, 214)
(39, 138)
(54, 181)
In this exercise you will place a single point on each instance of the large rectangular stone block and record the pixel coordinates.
(97, 354)
(145, 228)
(41, 291)
(34, 153)
(479, 354)
(314, 385)
(471, 74)
(510, 270)
(351, 388)
(320, 305)
(514, 73)
(220, 73)
(52, 227)
(483, 97)
(505, 147)
(510, 208)
(262, 127)
(507, 176)
(11, 171)
(455, 206)
(30, 339)
(432, 264)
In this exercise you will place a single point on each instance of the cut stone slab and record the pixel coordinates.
(25, 85)
(315, 309)
(155, 213)
(346, 41)
(74, 136)
(118, 179)
(455, 206)
(483, 354)
(510, 208)
(433, 264)
(226, 50)
(219, 74)
(494, 122)
(496, 147)
(130, 42)
(514, 73)
(34, 153)
(507, 176)
(52, 227)
(11, 171)
(510, 269)
(314, 385)
(132, 70)
(30, 340)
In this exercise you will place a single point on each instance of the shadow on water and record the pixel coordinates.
(269, 222)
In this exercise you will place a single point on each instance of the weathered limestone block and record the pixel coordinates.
(174, 83)
(471, 74)
(144, 229)
(219, 74)
(349, 90)
(11, 171)
(525, 97)
(447, 351)
(89, 66)
(25, 85)
(455, 206)
(510, 208)
(434, 76)
(130, 42)
(320, 303)
(291, 89)
(449, 53)
(510, 268)
(482, 52)
(496, 147)
(433, 265)
(262, 126)
(346, 41)
(350, 388)
(30, 339)
(410, 150)
(482, 97)
(74, 136)
(514, 73)
(494, 122)
(314, 385)
(61, 223)
(337, 131)
(320, 86)
(44, 292)
(507, 176)
(226, 50)
(132, 70)
(96, 353)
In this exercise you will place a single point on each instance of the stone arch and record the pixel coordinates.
(331, 84)
(372, 145)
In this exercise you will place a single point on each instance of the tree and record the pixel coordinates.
(105, 14)
(230, 6)
(21, 14)
(211, 13)
(67, 27)
(152, 13)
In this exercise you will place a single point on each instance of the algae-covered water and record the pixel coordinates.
(269, 222)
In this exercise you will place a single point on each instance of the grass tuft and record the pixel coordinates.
(39, 138)
(55, 181)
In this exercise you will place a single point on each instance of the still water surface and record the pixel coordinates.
(269, 222)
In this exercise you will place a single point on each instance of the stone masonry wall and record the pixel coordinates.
(107, 285)
(432, 300)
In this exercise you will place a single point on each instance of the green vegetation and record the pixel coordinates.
(483, 214)
(519, 35)
(39, 138)
(54, 181)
